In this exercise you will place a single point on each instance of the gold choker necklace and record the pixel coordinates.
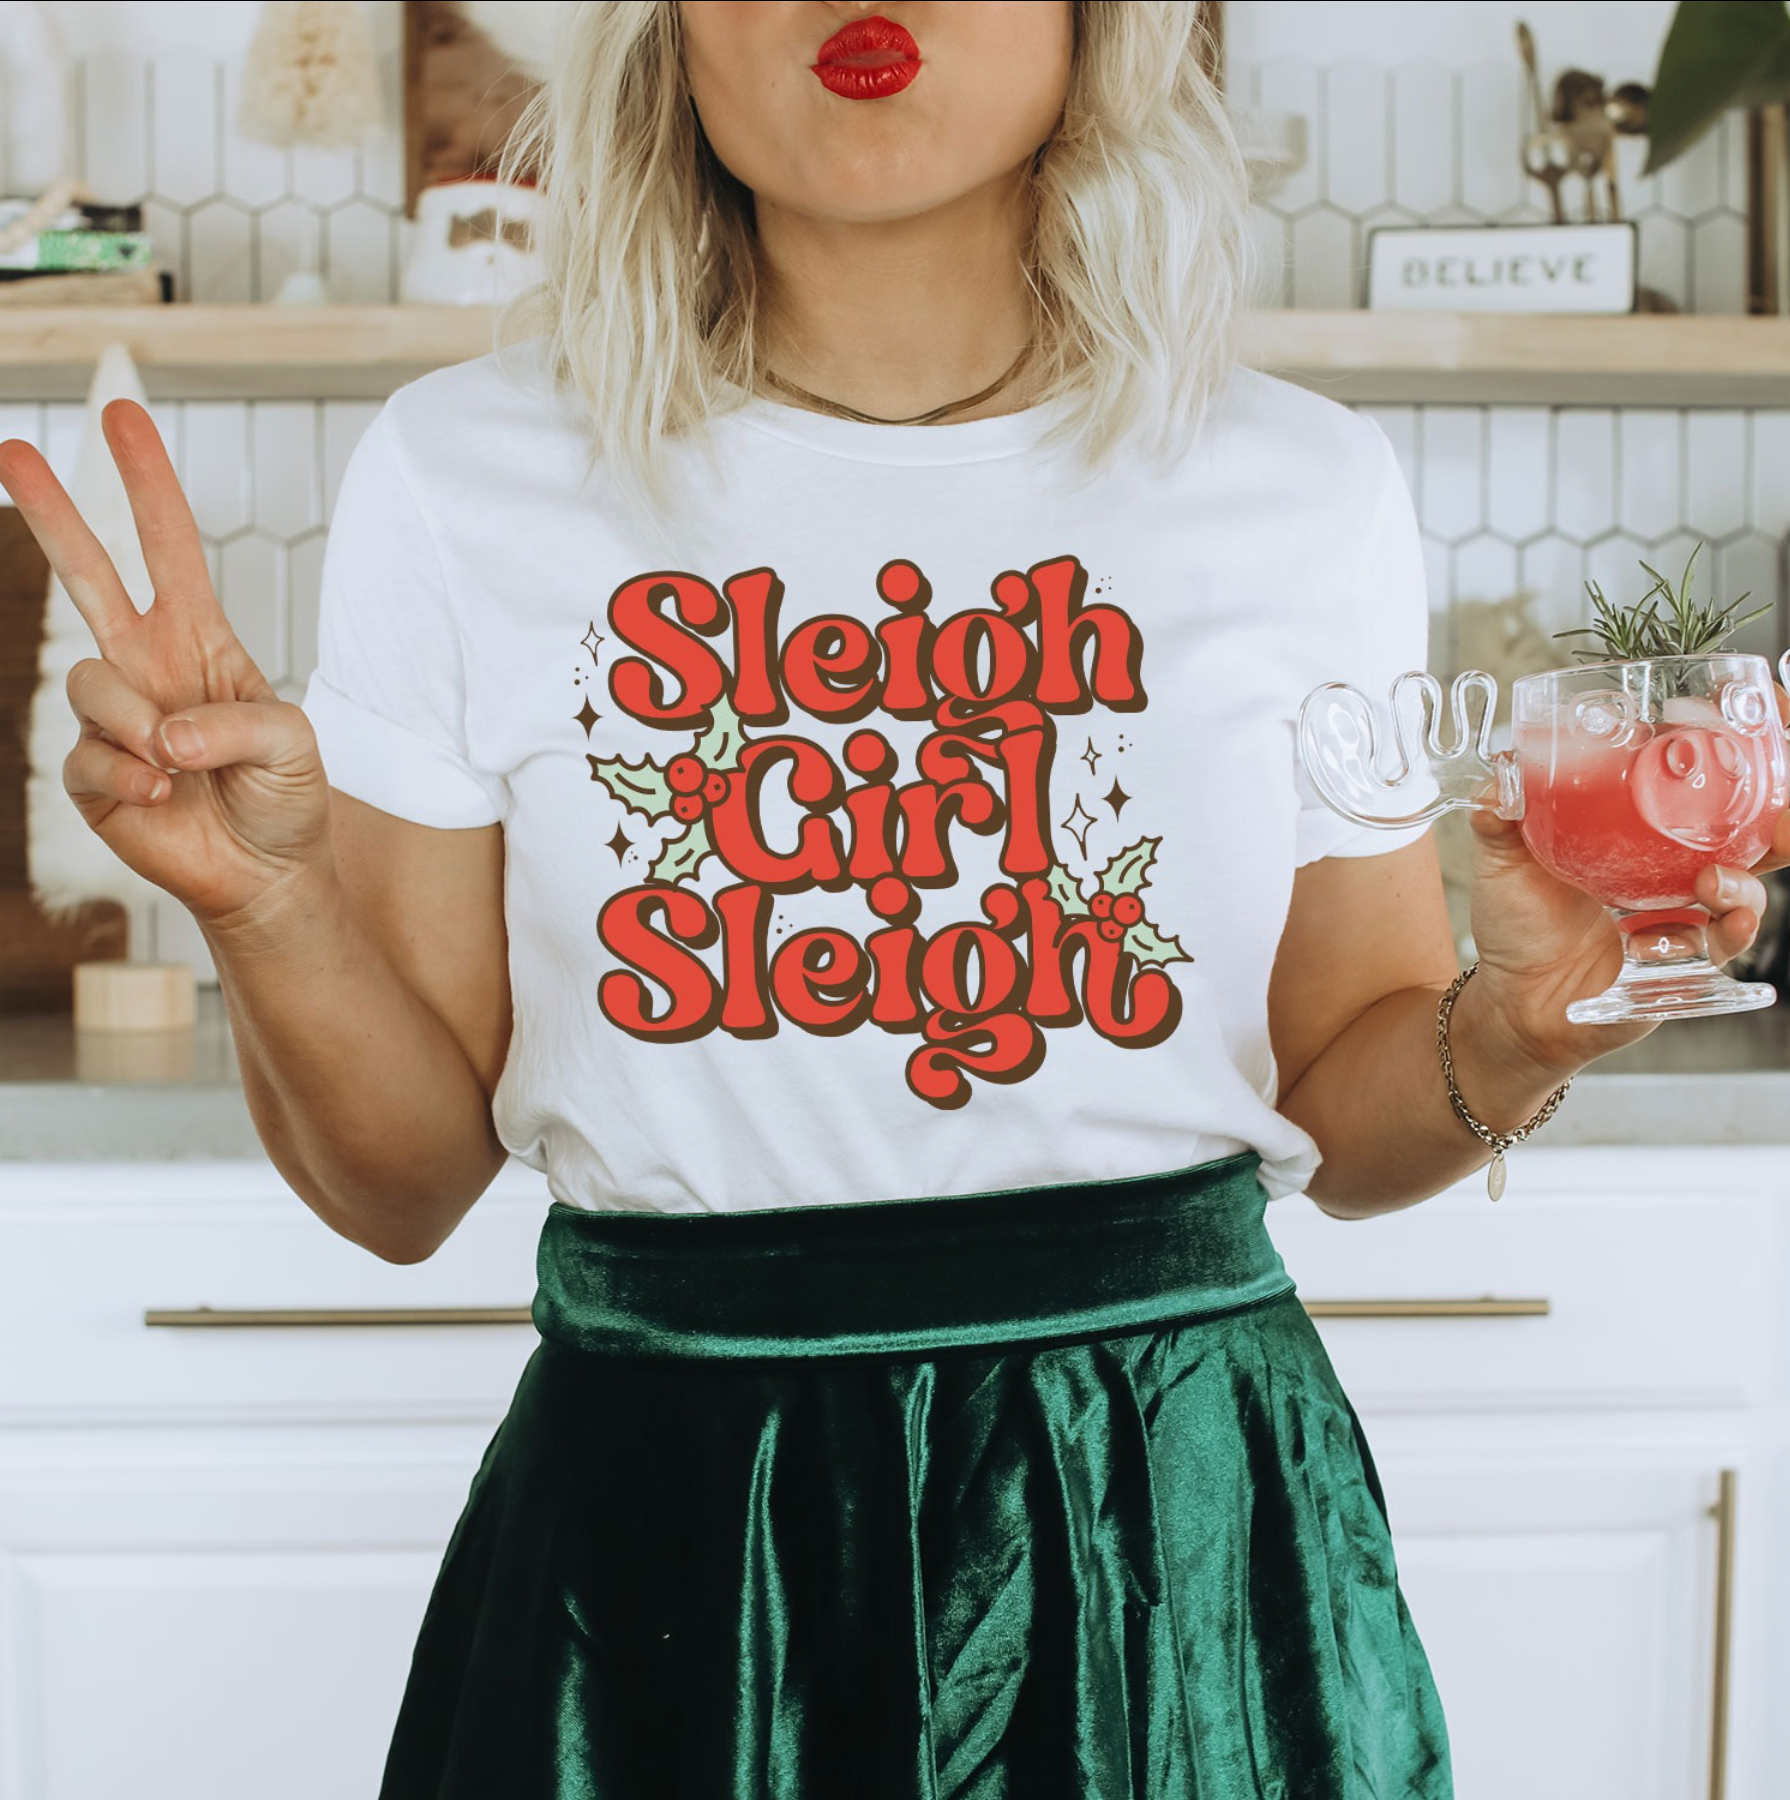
(851, 412)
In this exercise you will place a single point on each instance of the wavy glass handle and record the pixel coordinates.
(1412, 773)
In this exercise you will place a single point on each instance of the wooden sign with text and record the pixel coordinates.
(1502, 268)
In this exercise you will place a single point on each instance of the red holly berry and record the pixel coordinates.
(684, 774)
(1111, 930)
(1128, 909)
(889, 896)
(715, 788)
(688, 806)
(1101, 905)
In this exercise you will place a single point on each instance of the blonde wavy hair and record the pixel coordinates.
(1137, 259)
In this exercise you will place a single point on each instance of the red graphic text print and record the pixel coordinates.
(991, 683)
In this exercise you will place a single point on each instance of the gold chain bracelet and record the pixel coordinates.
(1500, 1141)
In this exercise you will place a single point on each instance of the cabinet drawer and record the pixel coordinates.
(1659, 1274)
(86, 1251)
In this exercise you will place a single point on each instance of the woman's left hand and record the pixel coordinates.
(1543, 943)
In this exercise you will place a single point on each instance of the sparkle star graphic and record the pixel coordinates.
(592, 639)
(621, 843)
(1081, 836)
(1115, 797)
(587, 715)
(1090, 756)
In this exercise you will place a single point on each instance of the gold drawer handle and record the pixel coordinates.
(1723, 1514)
(339, 1315)
(1488, 1308)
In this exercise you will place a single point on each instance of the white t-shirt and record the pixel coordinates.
(926, 824)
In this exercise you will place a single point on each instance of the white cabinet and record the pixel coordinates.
(1578, 1403)
(217, 1541)
(189, 1618)
(1568, 1609)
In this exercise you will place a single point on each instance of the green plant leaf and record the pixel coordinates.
(682, 855)
(719, 746)
(639, 786)
(1770, 82)
(1129, 870)
(1065, 890)
(1717, 54)
(1152, 947)
(1635, 632)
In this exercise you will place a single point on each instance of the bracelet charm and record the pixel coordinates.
(1500, 1141)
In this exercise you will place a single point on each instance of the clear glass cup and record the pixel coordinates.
(1628, 777)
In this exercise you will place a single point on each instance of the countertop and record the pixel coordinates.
(146, 1096)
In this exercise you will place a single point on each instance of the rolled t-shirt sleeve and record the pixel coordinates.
(387, 699)
(1380, 631)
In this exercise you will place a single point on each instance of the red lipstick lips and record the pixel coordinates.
(868, 59)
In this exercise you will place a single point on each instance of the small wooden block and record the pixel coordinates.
(127, 996)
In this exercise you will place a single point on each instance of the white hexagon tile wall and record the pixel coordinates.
(1510, 498)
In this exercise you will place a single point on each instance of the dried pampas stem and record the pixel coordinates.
(310, 76)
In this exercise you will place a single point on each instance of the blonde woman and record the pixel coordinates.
(801, 753)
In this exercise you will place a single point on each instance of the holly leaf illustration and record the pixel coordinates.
(1152, 948)
(640, 786)
(682, 855)
(1129, 869)
(1065, 890)
(719, 747)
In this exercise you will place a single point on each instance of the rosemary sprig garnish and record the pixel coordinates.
(1638, 631)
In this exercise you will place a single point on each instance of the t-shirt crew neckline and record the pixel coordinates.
(966, 440)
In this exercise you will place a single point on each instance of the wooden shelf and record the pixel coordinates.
(351, 352)
(237, 352)
(1640, 359)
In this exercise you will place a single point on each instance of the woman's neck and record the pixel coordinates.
(896, 316)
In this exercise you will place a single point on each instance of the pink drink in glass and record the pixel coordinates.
(1636, 776)
(1634, 824)
(1630, 778)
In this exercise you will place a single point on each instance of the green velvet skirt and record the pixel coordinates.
(1043, 1493)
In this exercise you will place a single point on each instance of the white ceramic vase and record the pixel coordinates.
(473, 244)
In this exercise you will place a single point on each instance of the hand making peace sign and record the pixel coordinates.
(189, 766)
